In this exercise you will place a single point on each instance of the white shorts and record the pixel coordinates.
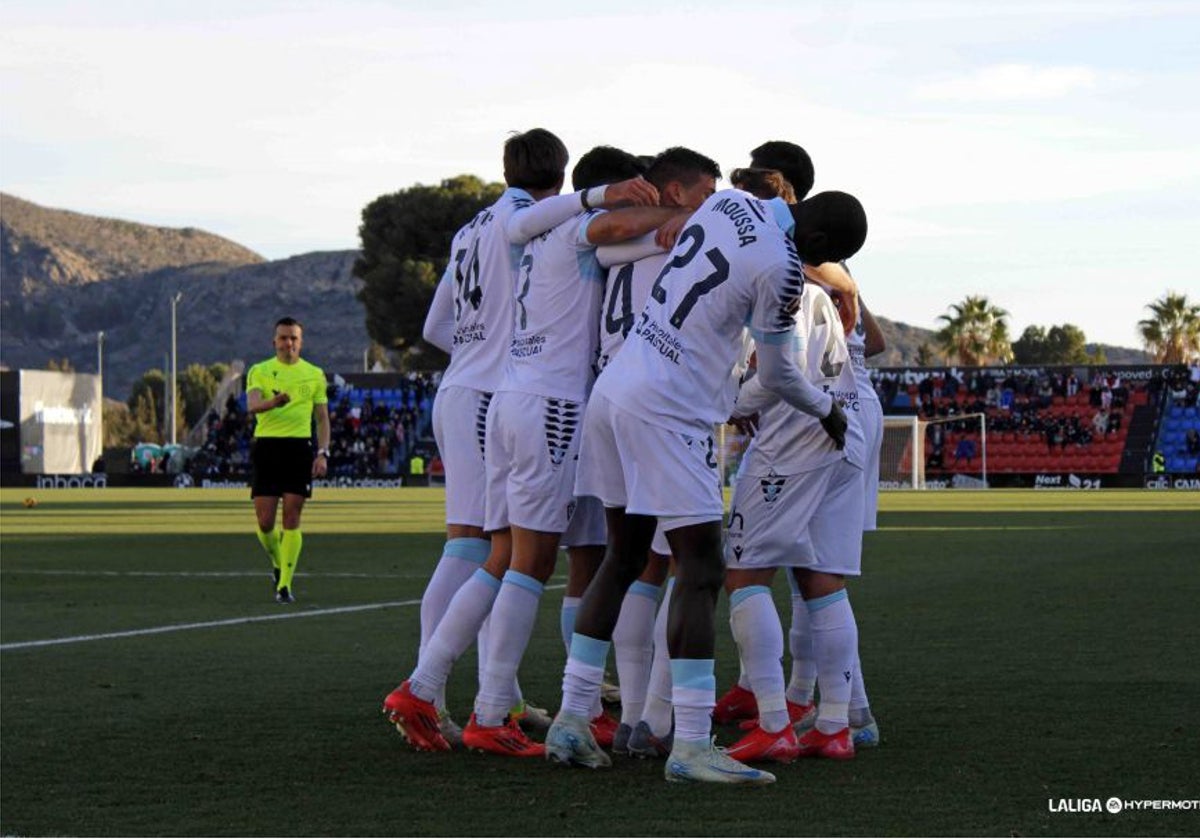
(871, 420)
(646, 469)
(587, 525)
(458, 423)
(811, 520)
(531, 464)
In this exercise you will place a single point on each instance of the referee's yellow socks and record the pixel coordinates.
(270, 544)
(289, 555)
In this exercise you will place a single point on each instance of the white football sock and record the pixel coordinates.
(460, 558)
(583, 675)
(835, 643)
(759, 636)
(693, 694)
(633, 643)
(656, 710)
(458, 627)
(512, 620)
(804, 665)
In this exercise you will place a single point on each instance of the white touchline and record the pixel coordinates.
(204, 625)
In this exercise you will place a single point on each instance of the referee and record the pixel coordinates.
(284, 394)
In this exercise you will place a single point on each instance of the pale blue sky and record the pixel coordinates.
(1045, 154)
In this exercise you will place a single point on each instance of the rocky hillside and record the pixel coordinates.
(44, 248)
(65, 277)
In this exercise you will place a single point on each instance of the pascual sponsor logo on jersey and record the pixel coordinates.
(659, 338)
(530, 345)
(469, 335)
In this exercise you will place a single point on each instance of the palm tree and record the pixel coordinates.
(1172, 335)
(976, 333)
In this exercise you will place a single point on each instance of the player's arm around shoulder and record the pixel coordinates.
(628, 223)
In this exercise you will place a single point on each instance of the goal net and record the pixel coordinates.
(902, 454)
(946, 452)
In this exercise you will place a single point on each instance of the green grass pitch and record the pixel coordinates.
(1020, 648)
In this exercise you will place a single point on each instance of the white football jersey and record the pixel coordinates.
(789, 441)
(557, 311)
(733, 266)
(856, 343)
(626, 290)
(483, 264)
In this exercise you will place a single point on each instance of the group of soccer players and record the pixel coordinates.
(596, 338)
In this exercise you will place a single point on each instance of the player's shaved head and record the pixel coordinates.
(830, 227)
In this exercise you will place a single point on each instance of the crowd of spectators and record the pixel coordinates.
(367, 436)
(1027, 403)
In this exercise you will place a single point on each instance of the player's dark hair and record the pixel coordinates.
(683, 165)
(534, 160)
(604, 165)
(830, 227)
(763, 183)
(288, 321)
(791, 161)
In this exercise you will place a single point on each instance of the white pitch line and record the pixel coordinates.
(203, 625)
(227, 622)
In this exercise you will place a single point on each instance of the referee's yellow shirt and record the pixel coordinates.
(303, 382)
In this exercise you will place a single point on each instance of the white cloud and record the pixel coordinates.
(1011, 82)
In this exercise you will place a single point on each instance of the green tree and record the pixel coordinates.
(976, 332)
(925, 356)
(1172, 333)
(1065, 345)
(146, 402)
(197, 387)
(119, 426)
(405, 238)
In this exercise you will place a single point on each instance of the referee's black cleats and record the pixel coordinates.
(283, 595)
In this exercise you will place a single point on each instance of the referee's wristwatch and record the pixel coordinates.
(323, 453)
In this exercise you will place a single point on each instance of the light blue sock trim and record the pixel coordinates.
(484, 577)
(693, 673)
(645, 590)
(566, 621)
(821, 603)
(473, 549)
(589, 651)
(525, 582)
(745, 592)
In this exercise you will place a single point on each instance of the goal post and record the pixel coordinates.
(902, 454)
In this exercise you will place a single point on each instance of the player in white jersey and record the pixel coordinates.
(863, 340)
(684, 178)
(647, 449)
(475, 293)
(531, 475)
(861, 329)
(798, 504)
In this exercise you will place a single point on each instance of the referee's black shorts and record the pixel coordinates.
(281, 465)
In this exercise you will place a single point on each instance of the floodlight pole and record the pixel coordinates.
(100, 359)
(174, 406)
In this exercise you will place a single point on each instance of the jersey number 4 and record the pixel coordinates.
(702, 287)
(466, 280)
